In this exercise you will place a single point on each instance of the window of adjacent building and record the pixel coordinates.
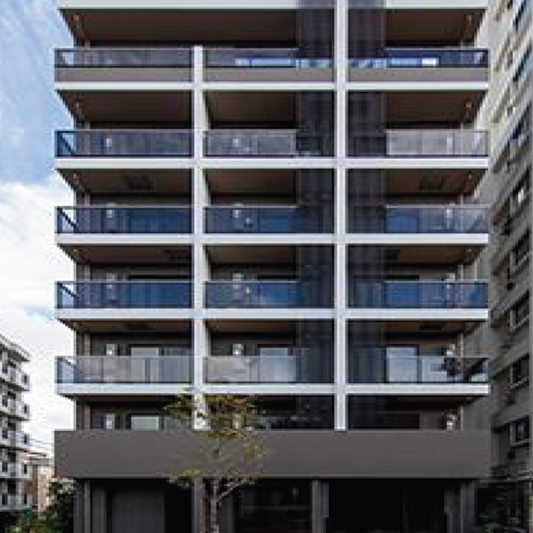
(521, 250)
(520, 311)
(519, 371)
(522, 191)
(519, 431)
(145, 422)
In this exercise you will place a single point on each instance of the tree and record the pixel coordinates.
(58, 516)
(229, 452)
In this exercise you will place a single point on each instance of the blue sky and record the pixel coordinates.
(29, 190)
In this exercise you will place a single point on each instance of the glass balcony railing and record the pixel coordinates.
(262, 369)
(422, 369)
(263, 294)
(419, 294)
(420, 143)
(421, 219)
(279, 420)
(124, 294)
(401, 420)
(261, 58)
(123, 369)
(124, 143)
(123, 57)
(266, 143)
(122, 219)
(426, 58)
(264, 219)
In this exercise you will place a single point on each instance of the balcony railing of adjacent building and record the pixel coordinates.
(264, 294)
(264, 219)
(15, 439)
(423, 369)
(123, 219)
(14, 502)
(267, 369)
(123, 57)
(124, 294)
(420, 143)
(15, 407)
(421, 219)
(266, 143)
(14, 470)
(15, 376)
(124, 143)
(419, 294)
(426, 58)
(124, 369)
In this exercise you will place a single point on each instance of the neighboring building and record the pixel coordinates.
(41, 475)
(14, 443)
(509, 182)
(276, 198)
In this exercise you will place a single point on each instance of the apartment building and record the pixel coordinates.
(509, 184)
(276, 198)
(14, 442)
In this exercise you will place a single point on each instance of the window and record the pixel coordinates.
(519, 371)
(145, 422)
(521, 250)
(520, 311)
(519, 431)
(522, 191)
(109, 421)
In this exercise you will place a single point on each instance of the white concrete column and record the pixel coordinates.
(341, 284)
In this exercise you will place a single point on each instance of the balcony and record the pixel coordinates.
(14, 502)
(15, 376)
(264, 219)
(264, 295)
(407, 143)
(124, 143)
(419, 294)
(15, 408)
(123, 219)
(122, 370)
(266, 143)
(426, 58)
(415, 219)
(124, 295)
(14, 470)
(420, 369)
(270, 369)
(14, 439)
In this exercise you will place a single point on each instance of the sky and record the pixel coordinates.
(30, 189)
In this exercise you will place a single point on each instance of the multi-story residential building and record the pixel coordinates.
(14, 442)
(41, 468)
(509, 183)
(275, 198)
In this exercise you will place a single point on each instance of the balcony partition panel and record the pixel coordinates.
(419, 294)
(262, 294)
(123, 219)
(124, 143)
(425, 58)
(123, 57)
(123, 369)
(263, 219)
(123, 294)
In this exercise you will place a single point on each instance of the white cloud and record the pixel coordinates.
(29, 264)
